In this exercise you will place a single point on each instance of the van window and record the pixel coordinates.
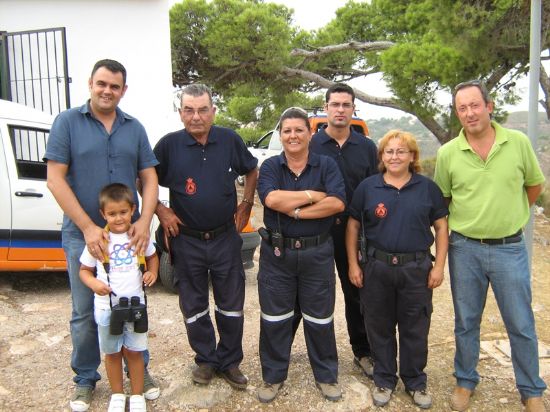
(358, 128)
(29, 146)
(320, 126)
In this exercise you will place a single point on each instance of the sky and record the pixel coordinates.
(313, 14)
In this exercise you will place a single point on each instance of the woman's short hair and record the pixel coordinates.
(409, 140)
(294, 113)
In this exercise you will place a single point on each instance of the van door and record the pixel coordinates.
(36, 217)
(5, 203)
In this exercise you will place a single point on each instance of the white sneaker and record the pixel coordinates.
(137, 403)
(81, 399)
(150, 389)
(118, 403)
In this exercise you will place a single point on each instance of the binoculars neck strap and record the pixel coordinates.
(142, 266)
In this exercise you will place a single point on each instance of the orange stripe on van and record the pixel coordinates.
(35, 254)
(32, 265)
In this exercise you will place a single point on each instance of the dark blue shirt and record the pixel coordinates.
(97, 158)
(321, 173)
(201, 178)
(357, 158)
(398, 221)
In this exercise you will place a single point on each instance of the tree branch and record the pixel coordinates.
(232, 70)
(352, 45)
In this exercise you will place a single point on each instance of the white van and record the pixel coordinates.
(30, 219)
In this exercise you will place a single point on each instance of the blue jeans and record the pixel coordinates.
(473, 266)
(86, 357)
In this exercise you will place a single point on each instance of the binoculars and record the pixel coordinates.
(135, 312)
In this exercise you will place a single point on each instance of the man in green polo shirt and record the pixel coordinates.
(491, 177)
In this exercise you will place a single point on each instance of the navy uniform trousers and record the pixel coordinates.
(194, 260)
(398, 296)
(358, 338)
(306, 276)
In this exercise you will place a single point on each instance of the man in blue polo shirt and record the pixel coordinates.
(490, 177)
(199, 165)
(357, 159)
(90, 147)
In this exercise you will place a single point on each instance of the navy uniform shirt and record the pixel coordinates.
(201, 178)
(398, 221)
(357, 158)
(321, 173)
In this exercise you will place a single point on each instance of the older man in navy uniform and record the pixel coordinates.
(199, 165)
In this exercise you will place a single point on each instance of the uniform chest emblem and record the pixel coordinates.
(381, 211)
(190, 186)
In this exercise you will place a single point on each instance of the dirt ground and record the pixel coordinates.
(35, 349)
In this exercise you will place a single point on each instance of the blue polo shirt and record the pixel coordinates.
(321, 173)
(201, 178)
(398, 221)
(97, 158)
(357, 159)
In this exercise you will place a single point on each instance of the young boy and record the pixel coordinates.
(123, 279)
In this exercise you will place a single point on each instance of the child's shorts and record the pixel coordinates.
(110, 344)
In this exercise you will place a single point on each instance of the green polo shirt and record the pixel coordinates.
(488, 198)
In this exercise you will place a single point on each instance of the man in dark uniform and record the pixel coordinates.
(357, 159)
(199, 165)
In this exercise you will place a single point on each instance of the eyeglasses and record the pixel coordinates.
(345, 106)
(188, 111)
(398, 152)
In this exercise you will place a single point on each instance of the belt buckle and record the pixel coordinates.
(297, 244)
(206, 236)
(394, 260)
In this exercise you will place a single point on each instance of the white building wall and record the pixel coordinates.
(133, 32)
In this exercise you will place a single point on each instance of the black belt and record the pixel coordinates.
(397, 259)
(305, 242)
(208, 234)
(515, 238)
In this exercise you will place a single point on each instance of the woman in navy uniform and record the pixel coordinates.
(300, 191)
(395, 211)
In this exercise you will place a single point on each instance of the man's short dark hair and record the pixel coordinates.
(197, 90)
(112, 66)
(115, 192)
(339, 88)
(473, 83)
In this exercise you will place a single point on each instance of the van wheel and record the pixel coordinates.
(166, 273)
